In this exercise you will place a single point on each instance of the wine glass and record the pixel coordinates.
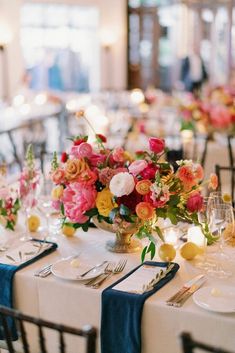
(205, 219)
(28, 201)
(45, 206)
(222, 215)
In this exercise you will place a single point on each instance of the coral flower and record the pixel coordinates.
(74, 168)
(144, 211)
(199, 172)
(186, 175)
(213, 183)
(143, 187)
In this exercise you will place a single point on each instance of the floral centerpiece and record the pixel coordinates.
(128, 193)
(9, 202)
(213, 112)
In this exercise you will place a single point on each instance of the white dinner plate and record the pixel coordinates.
(64, 270)
(220, 299)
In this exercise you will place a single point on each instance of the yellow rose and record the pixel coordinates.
(74, 168)
(104, 202)
(128, 156)
(57, 192)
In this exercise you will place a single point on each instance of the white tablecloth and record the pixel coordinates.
(74, 304)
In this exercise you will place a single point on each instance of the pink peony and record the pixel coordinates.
(220, 117)
(77, 200)
(156, 145)
(195, 202)
(137, 167)
(84, 150)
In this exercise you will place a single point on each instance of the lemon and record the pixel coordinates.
(33, 222)
(166, 252)
(68, 230)
(189, 250)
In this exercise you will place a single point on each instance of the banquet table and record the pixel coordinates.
(74, 304)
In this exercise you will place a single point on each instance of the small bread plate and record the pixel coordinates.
(63, 269)
(220, 299)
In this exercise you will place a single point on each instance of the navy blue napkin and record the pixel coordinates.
(121, 314)
(7, 273)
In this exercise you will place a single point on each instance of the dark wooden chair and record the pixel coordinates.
(189, 345)
(230, 171)
(88, 332)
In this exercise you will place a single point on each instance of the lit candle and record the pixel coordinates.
(171, 235)
(196, 236)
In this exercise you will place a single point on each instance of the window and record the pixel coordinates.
(61, 47)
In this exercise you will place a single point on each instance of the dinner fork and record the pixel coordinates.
(117, 269)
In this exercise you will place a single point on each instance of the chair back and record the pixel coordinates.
(87, 332)
(189, 345)
(230, 171)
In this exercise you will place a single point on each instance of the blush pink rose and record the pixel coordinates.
(58, 176)
(137, 166)
(156, 145)
(118, 154)
(77, 200)
(195, 202)
(84, 150)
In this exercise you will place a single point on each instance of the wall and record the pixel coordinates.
(112, 22)
(9, 24)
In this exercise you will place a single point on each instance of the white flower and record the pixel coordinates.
(122, 184)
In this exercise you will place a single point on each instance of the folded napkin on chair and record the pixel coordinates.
(122, 310)
(8, 268)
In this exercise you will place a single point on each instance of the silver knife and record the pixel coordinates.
(184, 289)
(190, 291)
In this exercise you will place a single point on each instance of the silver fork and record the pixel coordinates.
(106, 271)
(117, 269)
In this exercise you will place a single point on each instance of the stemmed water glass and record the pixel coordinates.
(205, 219)
(45, 206)
(28, 201)
(222, 215)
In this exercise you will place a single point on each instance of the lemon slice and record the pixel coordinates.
(166, 252)
(33, 223)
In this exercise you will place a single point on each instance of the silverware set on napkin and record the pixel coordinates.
(180, 297)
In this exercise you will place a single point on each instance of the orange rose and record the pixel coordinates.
(144, 211)
(143, 187)
(74, 168)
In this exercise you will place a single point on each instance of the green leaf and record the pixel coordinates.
(174, 200)
(152, 249)
(85, 226)
(10, 225)
(161, 212)
(124, 211)
(92, 212)
(113, 213)
(143, 254)
(62, 209)
(3, 212)
(159, 233)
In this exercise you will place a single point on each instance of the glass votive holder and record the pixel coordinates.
(171, 236)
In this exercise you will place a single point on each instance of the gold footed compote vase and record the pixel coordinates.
(123, 242)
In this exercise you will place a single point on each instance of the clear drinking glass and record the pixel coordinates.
(222, 215)
(205, 219)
